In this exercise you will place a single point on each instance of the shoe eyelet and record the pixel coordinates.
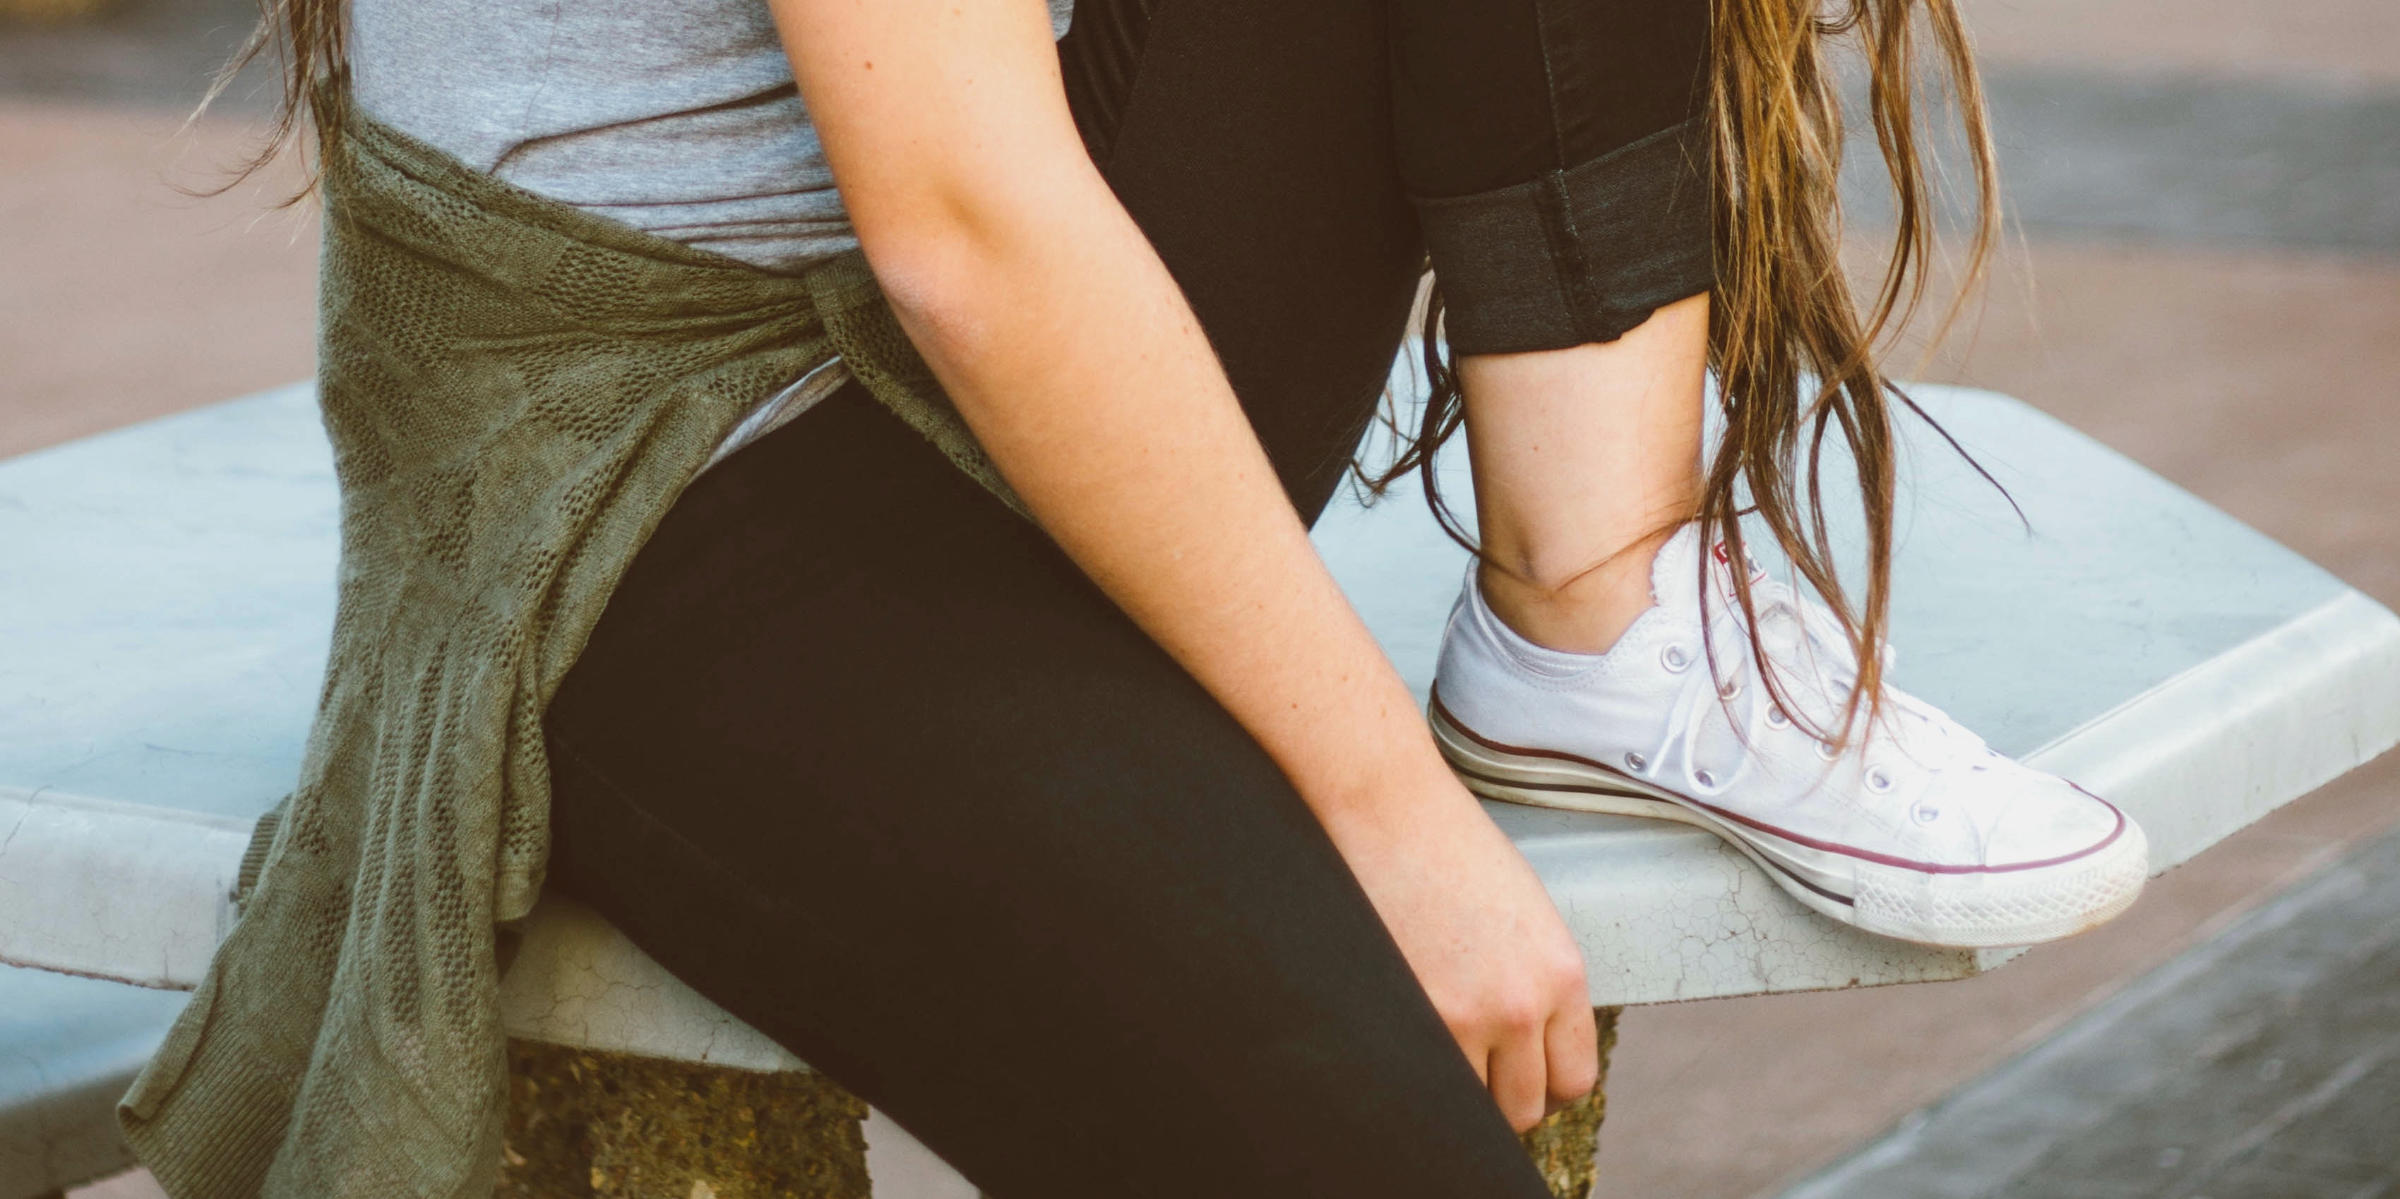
(1636, 762)
(1924, 814)
(1729, 688)
(1878, 781)
(1674, 658)
(1704, 778)
(1776, 718)
(1825, 751)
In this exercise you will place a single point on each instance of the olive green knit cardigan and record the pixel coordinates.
(515, 391)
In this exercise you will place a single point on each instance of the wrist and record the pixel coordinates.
(1391, 796)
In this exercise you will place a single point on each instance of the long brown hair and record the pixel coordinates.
(1796, 357)
(307, 41)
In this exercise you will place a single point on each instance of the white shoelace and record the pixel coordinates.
(1811, 656)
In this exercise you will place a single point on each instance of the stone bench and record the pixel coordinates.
(166, 597)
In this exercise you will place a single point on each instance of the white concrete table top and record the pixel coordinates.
(166, 599)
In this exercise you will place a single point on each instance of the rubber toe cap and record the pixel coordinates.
(2052, 821)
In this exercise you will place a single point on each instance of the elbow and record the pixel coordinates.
(935, 278)
(956, 261)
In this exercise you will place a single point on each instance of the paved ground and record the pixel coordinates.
(121, 298)
(2208, 278)
(2264, 1062)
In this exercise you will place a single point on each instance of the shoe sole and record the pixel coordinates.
(1974, 908)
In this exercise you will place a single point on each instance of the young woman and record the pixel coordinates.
(1104, 850)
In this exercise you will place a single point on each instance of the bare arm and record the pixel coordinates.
(1070, 352)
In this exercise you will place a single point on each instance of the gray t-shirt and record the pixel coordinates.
(678, 117)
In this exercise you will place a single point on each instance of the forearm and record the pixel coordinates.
(1079, 366)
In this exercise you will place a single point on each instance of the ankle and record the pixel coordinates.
(1583, 610)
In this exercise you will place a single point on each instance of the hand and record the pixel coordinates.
(1484, 940)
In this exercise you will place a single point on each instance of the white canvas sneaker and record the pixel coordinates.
(1919, 831)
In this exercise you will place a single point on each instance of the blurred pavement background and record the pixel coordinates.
(2205, 275)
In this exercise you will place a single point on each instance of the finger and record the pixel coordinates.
(1572, 1041)
(1518, 1070)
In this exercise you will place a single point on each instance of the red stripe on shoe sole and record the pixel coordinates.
(1587, 789)
(1867, 855)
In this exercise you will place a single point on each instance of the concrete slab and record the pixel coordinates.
(179, 583)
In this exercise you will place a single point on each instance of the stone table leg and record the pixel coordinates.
(584, 1123)
(1565, 1145)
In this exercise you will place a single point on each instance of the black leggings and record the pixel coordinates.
(863, 757)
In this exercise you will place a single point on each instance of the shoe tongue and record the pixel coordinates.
(1675, 586)
(1674, 566)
